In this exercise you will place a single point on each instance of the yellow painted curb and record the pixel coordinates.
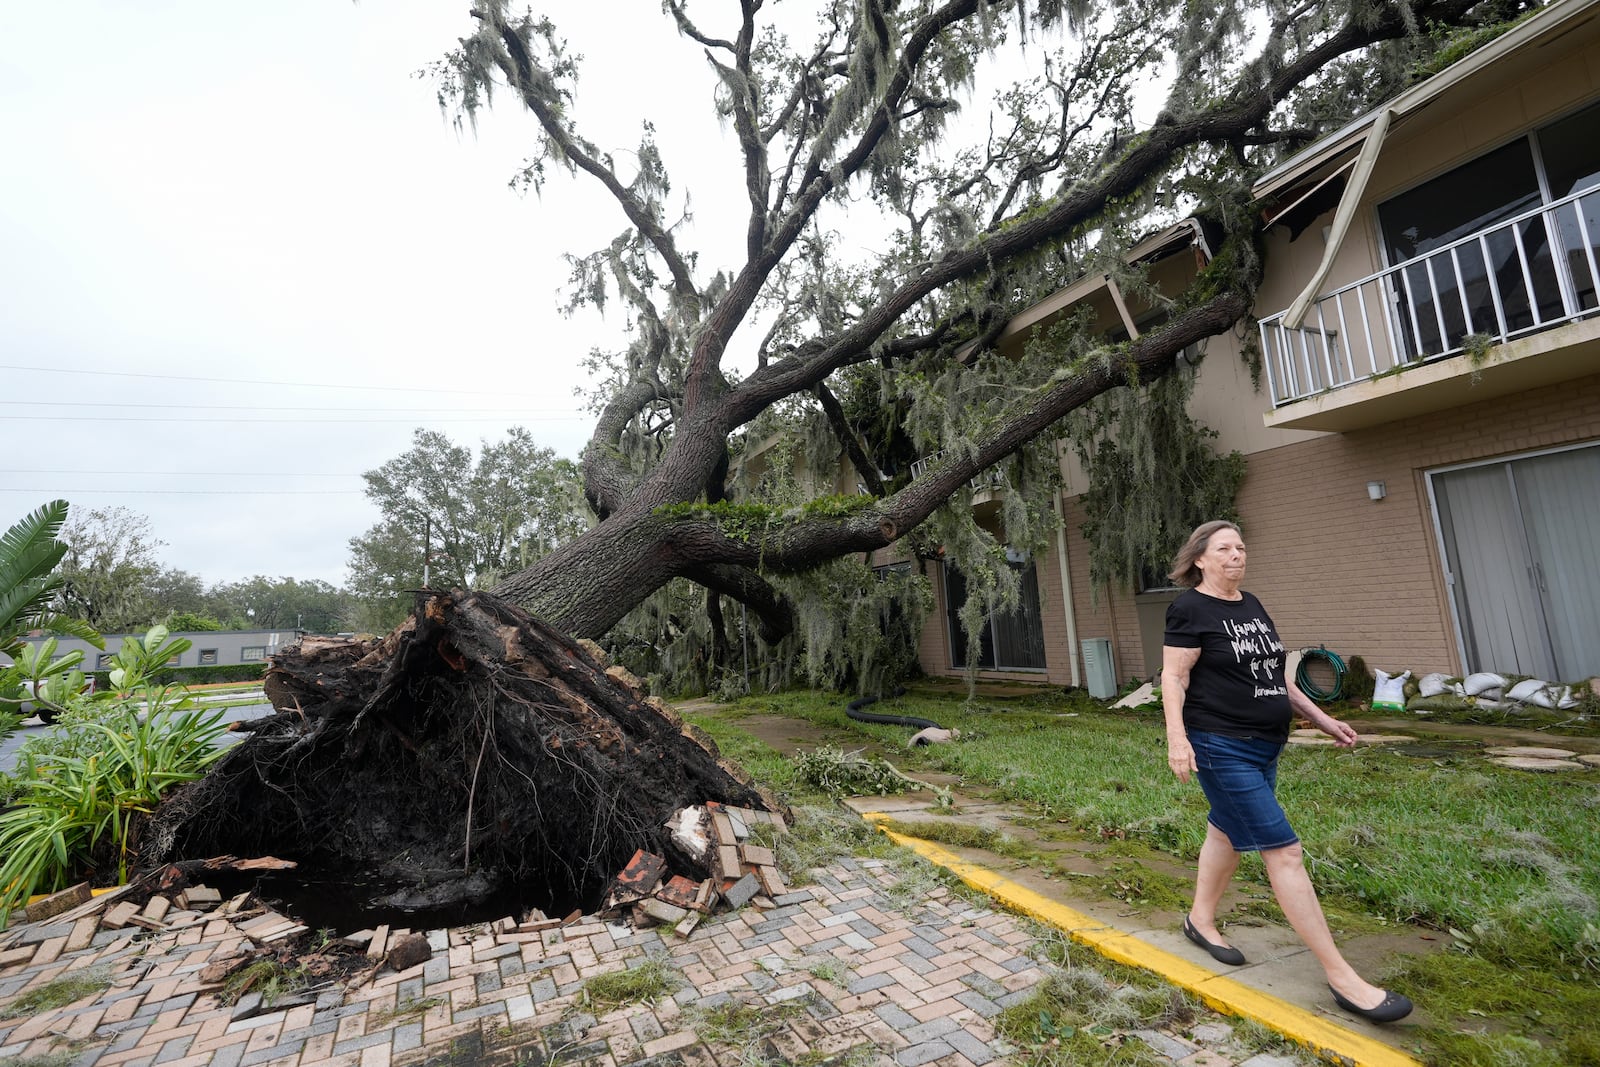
(1225, 994)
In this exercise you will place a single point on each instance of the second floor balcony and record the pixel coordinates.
(1534, 272)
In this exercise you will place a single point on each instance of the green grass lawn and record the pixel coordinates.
(1505, 863)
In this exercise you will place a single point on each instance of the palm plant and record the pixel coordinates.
(29, 553)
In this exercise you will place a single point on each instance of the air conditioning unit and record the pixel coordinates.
(1099, 673)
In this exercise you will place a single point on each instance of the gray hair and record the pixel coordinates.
(1184, 572)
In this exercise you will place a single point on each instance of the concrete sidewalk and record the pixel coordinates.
(1282, 987)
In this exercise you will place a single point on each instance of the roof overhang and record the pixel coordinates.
(1539, 28)
(1150, 248)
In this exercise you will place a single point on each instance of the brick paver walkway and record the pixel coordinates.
(844, 970)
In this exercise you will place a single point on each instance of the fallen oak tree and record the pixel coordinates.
(472, 763)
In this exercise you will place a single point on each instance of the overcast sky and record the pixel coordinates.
(267, 193)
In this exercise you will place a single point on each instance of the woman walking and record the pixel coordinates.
(1228, 707)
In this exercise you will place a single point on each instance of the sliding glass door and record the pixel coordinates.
(1521, 544)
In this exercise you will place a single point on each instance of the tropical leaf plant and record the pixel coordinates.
(37, 674)
(29, 554)
(140, 657)
(74, 814)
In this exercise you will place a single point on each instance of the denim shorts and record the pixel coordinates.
(1239, 776)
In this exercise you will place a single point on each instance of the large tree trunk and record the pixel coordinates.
(474, 762)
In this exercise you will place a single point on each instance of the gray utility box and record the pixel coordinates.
(1099, 673)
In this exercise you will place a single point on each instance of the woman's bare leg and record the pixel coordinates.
(1218, 861)
(1297, 897)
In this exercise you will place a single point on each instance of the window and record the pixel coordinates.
(1571, 164)
(208, 657)
(103, 660)
(252, 653)
(1012, 640)
(1535, 270)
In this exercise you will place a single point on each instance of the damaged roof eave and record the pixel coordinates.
(1158, 245)
(1556, 19)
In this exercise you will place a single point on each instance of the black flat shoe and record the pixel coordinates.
(1394, 1006)
(1221, 953)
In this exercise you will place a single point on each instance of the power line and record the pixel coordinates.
(192, 492)
(510, 412)
(258, 381)
(254, 422)
(189, 474)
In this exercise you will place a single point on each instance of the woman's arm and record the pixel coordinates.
(1176, 663)
(1342, 732)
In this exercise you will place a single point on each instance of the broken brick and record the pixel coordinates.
(679, 892)
(727, 862)
(637, 880)
(755, 854)
(771, 880)
(56, 903)
(739, 894)
(661, 911)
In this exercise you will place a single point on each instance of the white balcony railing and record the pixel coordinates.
(988, 479)
(1492, 285)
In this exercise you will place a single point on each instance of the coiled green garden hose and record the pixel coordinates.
(1301, 679)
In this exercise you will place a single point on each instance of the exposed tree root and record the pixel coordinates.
(472, 762)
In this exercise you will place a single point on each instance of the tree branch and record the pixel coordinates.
(1140, 160)
(773, 613)
(533, 86)
(851, 441)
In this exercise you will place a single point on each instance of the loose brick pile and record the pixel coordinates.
(742, 871)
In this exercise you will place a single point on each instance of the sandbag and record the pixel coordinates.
(1543, 694)
(1438, 684)
(1484, 684)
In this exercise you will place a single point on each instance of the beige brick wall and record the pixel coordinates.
(1365, 578)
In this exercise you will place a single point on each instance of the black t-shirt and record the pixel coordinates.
(1237, 686)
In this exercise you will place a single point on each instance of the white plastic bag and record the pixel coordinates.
(1390, 692)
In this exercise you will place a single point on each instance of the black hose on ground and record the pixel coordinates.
(854, 711)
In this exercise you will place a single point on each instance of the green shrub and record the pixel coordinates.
(223, 672)
(74, 809)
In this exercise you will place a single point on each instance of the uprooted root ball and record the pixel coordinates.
(471, 763)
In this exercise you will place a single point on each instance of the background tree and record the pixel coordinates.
(180, 622)
(173, 592)
(262, 603)
(109, 569)
(480, 516)
(848, 127)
